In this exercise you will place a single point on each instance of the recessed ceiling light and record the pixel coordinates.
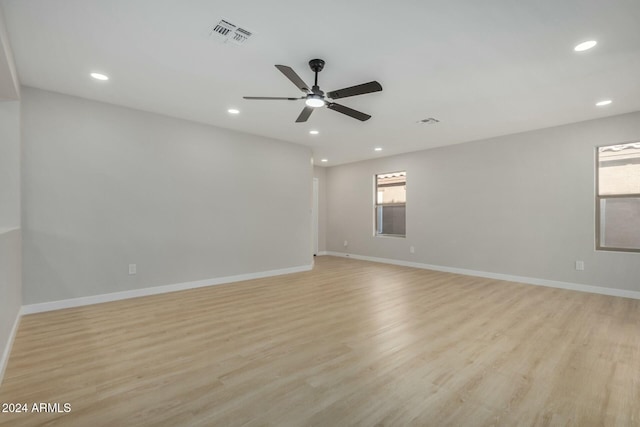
(324, 160)
(585, 45)
(233, 111)
(603, 103)
(99, 76)
(377, 149)
(314, 132)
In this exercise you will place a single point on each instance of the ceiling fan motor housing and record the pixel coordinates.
(316, 65)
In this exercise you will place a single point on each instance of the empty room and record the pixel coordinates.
(295, 213)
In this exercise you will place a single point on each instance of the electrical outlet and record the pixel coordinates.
(346, 243)
(133, 269)
(579, 265)
(412, 249)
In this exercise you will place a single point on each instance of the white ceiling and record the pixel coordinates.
(483, 68)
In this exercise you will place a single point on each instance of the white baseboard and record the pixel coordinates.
(134, 293)
(322, 253)
(520, 279)
(7, 349)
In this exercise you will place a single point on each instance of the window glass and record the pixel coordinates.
(390, 204)
(619, 169)
(620, 225)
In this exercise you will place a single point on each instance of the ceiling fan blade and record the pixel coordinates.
(304, 115)
(348, 111)
(270, 98)
(295, 78)
(355, 90)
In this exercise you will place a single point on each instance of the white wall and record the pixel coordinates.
(520, 205)
(106, 186)
(321, 175)
(10, 241)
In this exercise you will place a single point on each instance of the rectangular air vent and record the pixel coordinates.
(225, 31)
(222, 29)
(241, 35)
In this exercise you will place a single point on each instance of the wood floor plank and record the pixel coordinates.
(349, 343)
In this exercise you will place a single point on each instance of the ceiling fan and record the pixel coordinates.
(315, 98)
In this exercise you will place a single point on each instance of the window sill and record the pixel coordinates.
(606, 249)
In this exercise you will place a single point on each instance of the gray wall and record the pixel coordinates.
(520, 205)
(10, 284)
(10, 241)
(321, 174)
(106, 186)
(9, 84)
(9, 164)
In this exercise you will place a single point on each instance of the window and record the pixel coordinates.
(390, 204)
(618, 197)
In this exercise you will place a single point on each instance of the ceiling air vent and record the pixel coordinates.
(225, 31)
(241, 35)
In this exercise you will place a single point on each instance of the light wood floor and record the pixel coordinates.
(350, 343)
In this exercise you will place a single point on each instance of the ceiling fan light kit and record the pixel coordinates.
(315, 101)
(315, 98)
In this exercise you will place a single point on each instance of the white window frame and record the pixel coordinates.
(599, 198)
(376, 205)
